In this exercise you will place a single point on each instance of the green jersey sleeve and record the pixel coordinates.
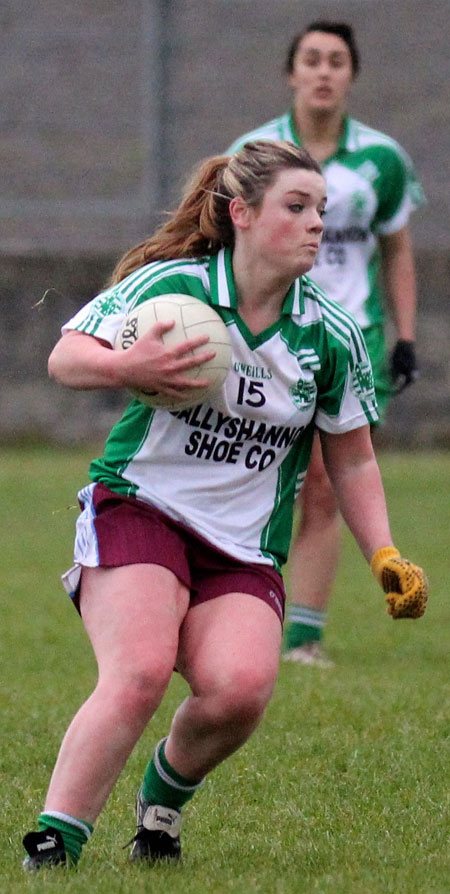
(103, 316)
(398, 189)
(346, 394)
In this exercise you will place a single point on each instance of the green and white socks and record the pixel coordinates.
(74, 832)
(304, 625)
(163, 785)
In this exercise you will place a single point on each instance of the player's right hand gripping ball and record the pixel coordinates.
(404, 583)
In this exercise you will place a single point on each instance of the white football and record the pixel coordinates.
(192, 318)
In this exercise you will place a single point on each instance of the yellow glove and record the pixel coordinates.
(405, 584)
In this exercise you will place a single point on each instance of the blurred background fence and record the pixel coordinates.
(106, 108)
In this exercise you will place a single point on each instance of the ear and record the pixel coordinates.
(239, 213)
(290, 80)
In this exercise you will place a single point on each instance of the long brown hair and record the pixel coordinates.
(201, 224)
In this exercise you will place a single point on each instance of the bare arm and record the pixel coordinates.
(85, 362)
(354, 473)
(399, 276)
(353, 470)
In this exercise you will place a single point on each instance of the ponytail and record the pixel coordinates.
(200, 225)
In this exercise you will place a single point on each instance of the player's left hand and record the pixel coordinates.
(404, 583)
(403, 363)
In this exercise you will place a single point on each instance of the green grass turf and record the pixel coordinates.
(344, 787)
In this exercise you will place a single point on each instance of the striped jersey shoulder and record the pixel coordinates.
(276, 129)
(336, 319)
(162, 277)
(361, 136)
(312, 292)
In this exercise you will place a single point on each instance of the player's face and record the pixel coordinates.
(322, 73)
(286, 230)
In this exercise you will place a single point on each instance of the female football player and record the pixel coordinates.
(372, 189)
(187, 520)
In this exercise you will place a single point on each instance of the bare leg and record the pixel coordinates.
(314, 554)
(313, 563)
(229, 654)
(132, 615)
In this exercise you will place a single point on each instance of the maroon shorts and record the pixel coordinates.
(130, 532)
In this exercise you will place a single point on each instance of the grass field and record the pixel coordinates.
(344, 787)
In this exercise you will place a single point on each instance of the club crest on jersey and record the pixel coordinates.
(358, 202)
(107, 304)
(362, 381)
(303, 393)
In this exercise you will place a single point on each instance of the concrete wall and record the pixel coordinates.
(105, 111)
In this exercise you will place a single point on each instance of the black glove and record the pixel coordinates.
(403, 364)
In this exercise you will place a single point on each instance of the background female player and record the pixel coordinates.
(188, 518)
(371, 189)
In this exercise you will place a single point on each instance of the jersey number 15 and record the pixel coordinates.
(250, 393)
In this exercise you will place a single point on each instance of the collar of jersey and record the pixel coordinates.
(343, 139)
(223, 294)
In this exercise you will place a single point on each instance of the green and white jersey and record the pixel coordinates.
(231, 468)
(372, 190)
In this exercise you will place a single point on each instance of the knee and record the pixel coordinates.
(136, 691)
(243, 696)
